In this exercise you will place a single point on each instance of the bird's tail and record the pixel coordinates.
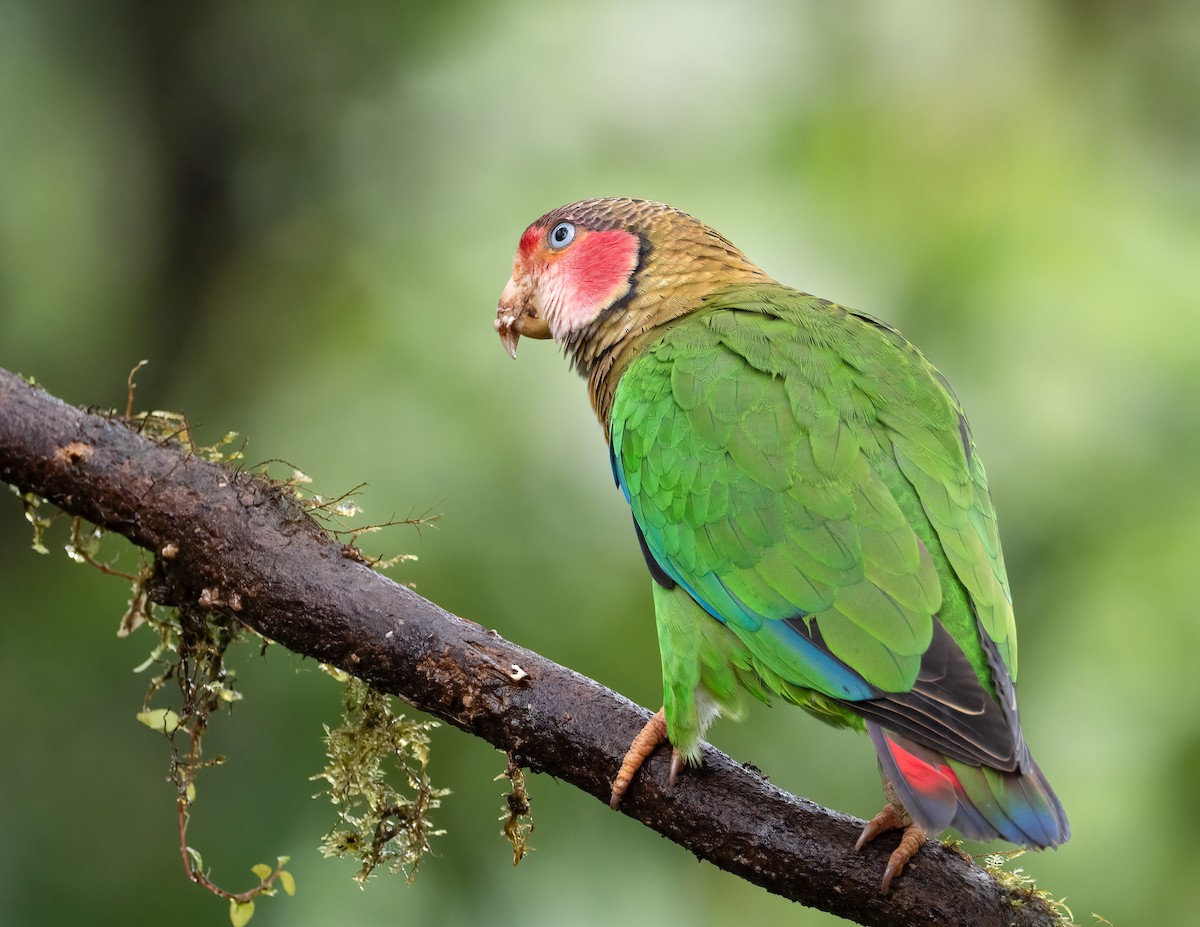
(980, 803)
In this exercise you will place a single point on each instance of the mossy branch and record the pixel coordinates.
(221, 537)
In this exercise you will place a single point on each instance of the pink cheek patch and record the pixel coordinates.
(595, 273)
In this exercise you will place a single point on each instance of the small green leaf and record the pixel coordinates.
(240, 912)
(262, 870)
(191, 792)
(197, 859)
(160, 719)
(286, 880)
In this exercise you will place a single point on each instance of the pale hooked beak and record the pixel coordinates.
(516, 315)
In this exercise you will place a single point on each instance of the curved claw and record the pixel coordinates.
(910, 843)
(677, 764)
(892, 817)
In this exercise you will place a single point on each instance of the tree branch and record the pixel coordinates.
(234, 537)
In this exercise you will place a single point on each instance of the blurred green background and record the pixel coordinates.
(302, 214)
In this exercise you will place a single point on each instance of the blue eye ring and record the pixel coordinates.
(560, 236)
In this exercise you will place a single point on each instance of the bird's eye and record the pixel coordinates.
(561, 235)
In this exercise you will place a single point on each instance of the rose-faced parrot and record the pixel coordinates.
(811, 508)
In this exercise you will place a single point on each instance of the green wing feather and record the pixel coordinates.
(808, 478)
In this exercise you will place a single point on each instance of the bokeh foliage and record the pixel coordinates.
(302, 214)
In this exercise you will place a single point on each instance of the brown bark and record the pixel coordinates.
(234, 537)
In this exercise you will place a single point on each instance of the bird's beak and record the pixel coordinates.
(517, 313)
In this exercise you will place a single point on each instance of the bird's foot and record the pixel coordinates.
(646, 742)
(892, 817)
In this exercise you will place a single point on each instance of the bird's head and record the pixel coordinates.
(615, 264)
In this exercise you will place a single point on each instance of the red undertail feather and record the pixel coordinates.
(980, 803)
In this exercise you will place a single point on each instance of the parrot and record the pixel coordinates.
(812, 510)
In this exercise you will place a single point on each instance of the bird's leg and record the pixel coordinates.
(893, 816)
(646, 742)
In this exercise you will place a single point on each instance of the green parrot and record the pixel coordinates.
(811, 507)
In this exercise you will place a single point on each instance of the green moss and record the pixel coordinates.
(1024, 887)
(516, 812)
(376, 822)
